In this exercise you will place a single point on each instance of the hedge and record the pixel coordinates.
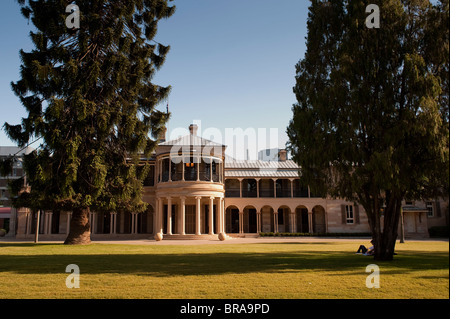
(271, 234)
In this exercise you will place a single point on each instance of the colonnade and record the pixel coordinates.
(291, 223)
(214, 219)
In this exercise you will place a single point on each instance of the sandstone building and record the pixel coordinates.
(195, 191)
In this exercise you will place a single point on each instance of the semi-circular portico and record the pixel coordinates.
(189, 188)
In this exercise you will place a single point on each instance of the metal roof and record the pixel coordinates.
(258, 164)
(261, 173)
(11, 150)
(190, 139)
(258, 168)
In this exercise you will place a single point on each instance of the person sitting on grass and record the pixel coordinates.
(366, 251)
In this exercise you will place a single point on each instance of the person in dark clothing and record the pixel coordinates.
(366, 251)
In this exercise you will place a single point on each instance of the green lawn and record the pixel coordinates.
(278, 270)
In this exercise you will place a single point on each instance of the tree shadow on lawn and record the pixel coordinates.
(161, 265)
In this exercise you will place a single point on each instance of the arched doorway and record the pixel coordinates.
(319, 225)
(250, 223)
(267, 224)
(301, 217)
(284, 213)
(232, 219)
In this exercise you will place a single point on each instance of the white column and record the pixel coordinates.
(92, 221)
(240, 187)
(198, 168)
(241, 222)
(69, 218)
(115, 223)
(45, 222)
(197, 215)
(291, 221)
(46, 217)
(160, 216)
(169, 215)
(310, 222)
(211, 216)
(274, 187)
(275, 221)
(257, 187)
(182, 169)
(155, 217)
(219, 216)
(258, 221)
(112, 223)
(223, 216)
(28, 223)
(210, 169)
(49, 227)
(182, 216)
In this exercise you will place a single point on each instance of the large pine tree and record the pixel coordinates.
(371, 122)
(89, 98)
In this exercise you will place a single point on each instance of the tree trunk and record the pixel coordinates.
(385, 245)
(384, 238)
(80, 233)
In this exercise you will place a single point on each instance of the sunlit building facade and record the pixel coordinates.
(194, 191)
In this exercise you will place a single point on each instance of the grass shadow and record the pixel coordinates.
(154, 263)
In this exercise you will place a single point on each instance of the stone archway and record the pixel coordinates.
(250, 219)
(267, 224)
(301, 217)
(232, 219)
(284, 219)
(319, 221)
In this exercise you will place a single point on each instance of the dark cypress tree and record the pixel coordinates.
(371, 122)
(90, 100)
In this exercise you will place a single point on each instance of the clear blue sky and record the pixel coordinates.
(231, 64)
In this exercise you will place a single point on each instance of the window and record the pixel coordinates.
(349, 214)
(430, 209)
(190, 169)
(150, 179)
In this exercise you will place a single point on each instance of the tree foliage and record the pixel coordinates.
(89, 97)
(371, 121)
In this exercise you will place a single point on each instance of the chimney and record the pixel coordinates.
(193, 129)
(282, 155)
